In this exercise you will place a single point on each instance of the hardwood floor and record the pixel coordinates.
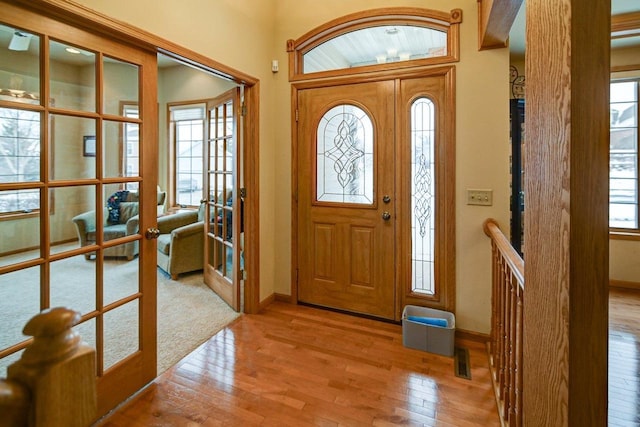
(297, 366)
(624, 357)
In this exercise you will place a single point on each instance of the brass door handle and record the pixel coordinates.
(386, 216)
(152, 233)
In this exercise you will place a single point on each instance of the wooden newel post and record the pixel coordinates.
(58, 370)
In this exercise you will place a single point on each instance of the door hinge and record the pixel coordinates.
(243, 274)
(297, 115)
(243, 192)
(243, 110)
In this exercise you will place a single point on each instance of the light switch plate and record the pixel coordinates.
(480, 197)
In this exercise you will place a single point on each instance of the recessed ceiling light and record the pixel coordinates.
(72, 50)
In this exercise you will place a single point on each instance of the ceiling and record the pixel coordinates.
(517, 34)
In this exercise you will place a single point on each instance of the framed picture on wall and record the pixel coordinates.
(89, 146)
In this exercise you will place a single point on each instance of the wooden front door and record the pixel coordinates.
(375, 202)
(346, 206)
(223, 218)
(87, 133)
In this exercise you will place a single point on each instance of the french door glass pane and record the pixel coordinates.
(121, 329)
(120, 85)
(73, 284)
(121, 280)
(344, 156)
(121, 150)
(19, 147)
(19, 302)
(19, 84)
(74, 209)
(67, 145)
(422, 195)
(21, 237)
(72, 77)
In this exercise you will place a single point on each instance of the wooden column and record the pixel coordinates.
(566, 223)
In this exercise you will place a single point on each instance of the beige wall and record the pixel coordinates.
(623, 254)
(247, 35)
(482, 143)
(180, 83)
(239, 34)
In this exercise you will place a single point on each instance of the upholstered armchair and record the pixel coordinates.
(181, 242)
(122, 223)
(125, 225)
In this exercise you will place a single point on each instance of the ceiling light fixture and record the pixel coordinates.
(72, 50)
(19, 41)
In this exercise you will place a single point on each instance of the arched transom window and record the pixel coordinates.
(383, 38)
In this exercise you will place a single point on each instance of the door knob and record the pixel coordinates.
(152, 233)
(386, 216)
(386, 198)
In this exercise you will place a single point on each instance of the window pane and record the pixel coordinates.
(188, 142)
(622, 216)
(623, 91)
(422, 196)
(623, 157)
(23, 48)
(376, 45)
(72, 77)
(624, 114)
(345, 156)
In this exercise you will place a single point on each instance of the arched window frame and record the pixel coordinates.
(448, 23)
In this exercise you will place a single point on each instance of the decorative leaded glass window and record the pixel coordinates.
(422, 195)
(344, 156)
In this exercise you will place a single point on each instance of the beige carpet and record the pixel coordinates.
(189, 313)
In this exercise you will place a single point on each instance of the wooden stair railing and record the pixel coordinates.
(53, 384)
(505, 347)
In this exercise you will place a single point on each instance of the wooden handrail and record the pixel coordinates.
(515, 261)
(505, 347)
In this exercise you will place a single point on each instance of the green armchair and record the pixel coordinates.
(127, 225)
(181, 242)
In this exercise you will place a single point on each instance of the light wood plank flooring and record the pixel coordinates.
(299, 366)
(296, 366)
(624, 358)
